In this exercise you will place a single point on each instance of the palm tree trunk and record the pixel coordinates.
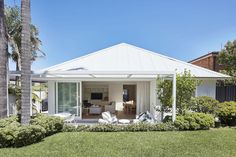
(25, 62)
(18, 68)
(3, 64)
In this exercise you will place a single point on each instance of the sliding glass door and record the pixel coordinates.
(68, 97)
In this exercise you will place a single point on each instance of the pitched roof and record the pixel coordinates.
(214, 53)
(125, 57)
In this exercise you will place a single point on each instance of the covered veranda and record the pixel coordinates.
(80, 76)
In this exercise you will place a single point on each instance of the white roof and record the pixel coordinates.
(126, 59)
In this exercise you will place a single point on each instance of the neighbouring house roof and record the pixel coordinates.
(128, 60)
(208, 61)
(214, 53)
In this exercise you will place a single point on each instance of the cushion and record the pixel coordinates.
(141, 116)
(102, 121)
(124, 121)
(136, 121)
(106, 115)
(114, 119)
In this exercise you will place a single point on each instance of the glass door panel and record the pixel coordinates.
(67, 97)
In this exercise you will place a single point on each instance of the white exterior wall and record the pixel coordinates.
(207, 88)
(51, 97)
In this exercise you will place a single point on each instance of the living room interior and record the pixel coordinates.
(116, 97)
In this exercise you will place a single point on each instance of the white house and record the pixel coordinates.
(123, 74)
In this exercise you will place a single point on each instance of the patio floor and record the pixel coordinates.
(119, 115)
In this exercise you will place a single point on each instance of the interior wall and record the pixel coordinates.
(116, 94)
(94, 87)
(141, 94)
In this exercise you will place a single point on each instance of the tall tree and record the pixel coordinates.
(227, 58)
(25, 62)
(13, 30)
(13, 33)
(3, 64)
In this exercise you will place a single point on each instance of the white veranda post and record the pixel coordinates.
(174, 98)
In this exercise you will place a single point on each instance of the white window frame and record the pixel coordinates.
(78, 99)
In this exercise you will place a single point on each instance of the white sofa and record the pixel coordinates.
(111, 107)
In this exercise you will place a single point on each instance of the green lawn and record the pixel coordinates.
(215, 142)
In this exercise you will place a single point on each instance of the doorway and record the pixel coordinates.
(129, 100)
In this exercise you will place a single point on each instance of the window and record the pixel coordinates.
(68, 97)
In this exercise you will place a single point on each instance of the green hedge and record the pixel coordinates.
(51, 124)
(7, 121)
(227, 113)
(194, 121)
(204, 104)
(13, 134)
(167, 118)
(17, 136)
(120, 128)
(189, 121)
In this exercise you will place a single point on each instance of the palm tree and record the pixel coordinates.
(3, 64)
(13, 33)
(25, 62)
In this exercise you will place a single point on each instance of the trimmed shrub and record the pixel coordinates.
(81, 128)
(30, 134)
(194, 121)
(18, 136)
(151, 127)
(51, 124)
(227, 113)
(7, 121)
(168, 126)
(69, 128)
(7, 136)
(121, 128)
(13, 134)
(204, 104)
(167, 119)
(105, 128)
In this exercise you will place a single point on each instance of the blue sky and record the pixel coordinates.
(181, 29)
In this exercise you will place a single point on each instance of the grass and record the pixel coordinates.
(215, 142)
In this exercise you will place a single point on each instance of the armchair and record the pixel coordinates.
(111, 107)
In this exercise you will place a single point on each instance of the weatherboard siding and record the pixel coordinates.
(207, 88)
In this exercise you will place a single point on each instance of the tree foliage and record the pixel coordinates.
(164, 93)
(13, 33)
(185, 87)
(227, 58)
(14, 27)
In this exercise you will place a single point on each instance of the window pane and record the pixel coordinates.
(67, 97)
